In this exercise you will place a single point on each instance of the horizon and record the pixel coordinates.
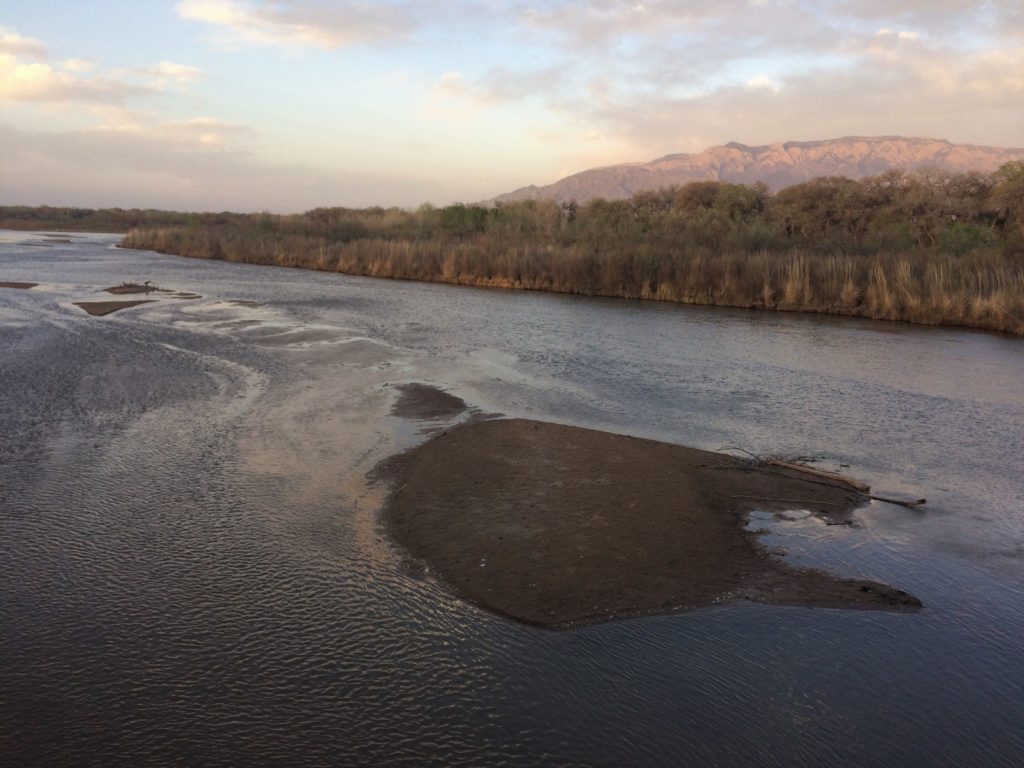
(224, 105)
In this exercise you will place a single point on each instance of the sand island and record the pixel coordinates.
(561, 526)
(101, 308)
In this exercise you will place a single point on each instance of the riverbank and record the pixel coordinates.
(986, 296)
(561, 526)
(983, 291)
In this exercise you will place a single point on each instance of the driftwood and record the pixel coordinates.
(901, 502)
(832, 477)
(842, 479)
(788, 501)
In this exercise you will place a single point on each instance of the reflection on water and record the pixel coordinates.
(191, 569)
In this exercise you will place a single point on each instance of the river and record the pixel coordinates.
(192, 571)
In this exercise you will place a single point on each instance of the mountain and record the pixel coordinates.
(777, 165)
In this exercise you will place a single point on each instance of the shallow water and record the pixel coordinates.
(191, 569)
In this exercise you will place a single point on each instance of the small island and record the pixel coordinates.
(560, 526)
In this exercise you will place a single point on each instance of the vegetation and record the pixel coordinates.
(930, 248)
(90, 220)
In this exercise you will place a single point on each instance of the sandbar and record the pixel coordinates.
(101, 308)
(132, 288)
(22, 286)
(422, 401)
(125, 289)
(560, 526)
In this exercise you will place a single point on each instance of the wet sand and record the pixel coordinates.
(422, 401)
(127, 289)
(560, 526)
(133, 288)
(22, 286)
(101, 308)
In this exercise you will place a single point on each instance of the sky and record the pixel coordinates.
(287, 105)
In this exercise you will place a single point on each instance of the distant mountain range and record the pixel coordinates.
(777, 165)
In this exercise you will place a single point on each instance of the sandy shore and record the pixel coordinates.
(560, 526)
(100, 308)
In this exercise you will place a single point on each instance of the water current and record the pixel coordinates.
(192, 571)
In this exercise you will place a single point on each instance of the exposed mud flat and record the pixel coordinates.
(133, 288)
(127, 289)
(560, 526)
(422, 401)
(101, 308)
(22, 286)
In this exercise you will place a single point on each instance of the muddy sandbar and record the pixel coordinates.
(133, 288)
(422, 401)
(101, 308)
(22, 286)
(127, 289)
(561, 526)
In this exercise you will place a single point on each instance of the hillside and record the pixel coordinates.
(777, 165)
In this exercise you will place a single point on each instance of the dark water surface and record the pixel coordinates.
(191, 570)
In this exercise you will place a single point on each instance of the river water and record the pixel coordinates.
(191, 569)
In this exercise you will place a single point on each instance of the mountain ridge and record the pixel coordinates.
(778, 165)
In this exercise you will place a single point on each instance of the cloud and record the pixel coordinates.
(206, 131)
(765, 82)
(26, 75)
(13, 44)
(663, 76)
(198, 132)
(903, 35)
(928, 93)
(168, 74)
(78, 65)
(500, 85)
(590, 24)
(292, 24)
(39, 81)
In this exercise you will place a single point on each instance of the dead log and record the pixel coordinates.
(833, 476)
(902, 502)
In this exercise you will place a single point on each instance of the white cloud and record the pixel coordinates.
(168, 74)
(206, 131)
(201, 132)
(26, 75)
(302, 24)
(764, 82)
(16, 45)
(901, 35)
(500, 86)
(77, 65)
(39, 81)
